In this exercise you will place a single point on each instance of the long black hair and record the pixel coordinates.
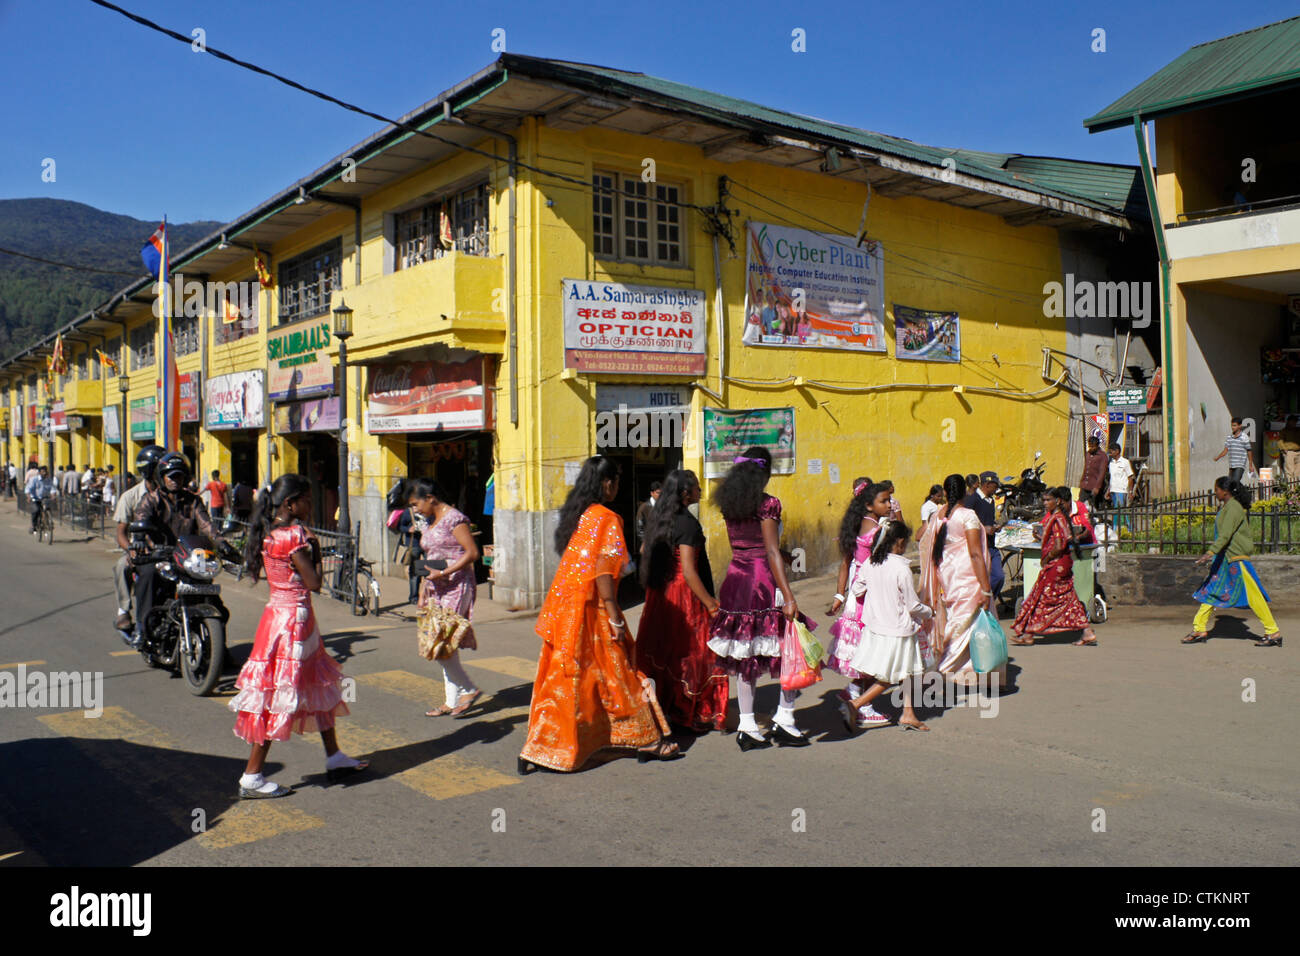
(657, 545)
(586, 492)
(426, 488)
(895, 530)
(1063, 495)
(954, 489)
(853, 515)
(269, 500)
(1236, 489)
(740, 494)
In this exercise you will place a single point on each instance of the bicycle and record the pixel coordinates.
(45, 523)
(363, 592)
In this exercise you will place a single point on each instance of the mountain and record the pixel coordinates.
(36, 299)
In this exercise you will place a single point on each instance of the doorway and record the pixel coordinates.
(318, 462)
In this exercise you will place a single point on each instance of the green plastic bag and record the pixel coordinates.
(988, 643)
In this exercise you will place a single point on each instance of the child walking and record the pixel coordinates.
(290, 683)
(892, 613)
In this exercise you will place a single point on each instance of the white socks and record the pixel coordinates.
(258, 783)
(339, 759)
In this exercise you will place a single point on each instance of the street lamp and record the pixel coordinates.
(123, 386)
(343, 332)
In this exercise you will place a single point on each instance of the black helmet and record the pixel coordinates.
(173, 465)
(147, 459)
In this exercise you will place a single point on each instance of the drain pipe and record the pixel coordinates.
(1148, 180)
(512, 330)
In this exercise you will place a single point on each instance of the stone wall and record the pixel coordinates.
(1164, 580)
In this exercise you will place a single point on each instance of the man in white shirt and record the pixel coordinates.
(1121, 480)
(71, 482)
(87, 477)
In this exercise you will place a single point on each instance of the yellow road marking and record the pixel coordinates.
(238, 824)
(122, 653)
(510, 666)
(5, 667)
(6, 856)
(441, 776)
(416, 687)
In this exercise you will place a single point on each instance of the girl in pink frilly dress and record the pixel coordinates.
(290, 682)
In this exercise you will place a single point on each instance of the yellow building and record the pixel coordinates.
(1223, 177)
(549, 253)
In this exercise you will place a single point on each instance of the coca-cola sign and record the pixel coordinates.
(426, 396)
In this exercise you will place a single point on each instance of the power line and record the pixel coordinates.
(188, 41)
(66, 265)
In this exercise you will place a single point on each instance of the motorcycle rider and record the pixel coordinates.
(172, 511)
(124, 570)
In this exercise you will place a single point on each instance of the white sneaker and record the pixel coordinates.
(869, 717)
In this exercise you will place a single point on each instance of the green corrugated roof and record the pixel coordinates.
(1102, 186)
(1268, 56)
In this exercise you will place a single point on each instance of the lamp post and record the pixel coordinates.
(343, 332)
(123, 386)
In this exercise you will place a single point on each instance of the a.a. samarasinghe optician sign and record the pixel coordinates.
(647, 330)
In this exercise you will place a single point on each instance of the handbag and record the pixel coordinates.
(988, 643)
(796, 673)
(395, 518)
(440, 631)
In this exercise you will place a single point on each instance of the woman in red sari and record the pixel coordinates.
(1052, 606)
(672, 640)
(588, 695)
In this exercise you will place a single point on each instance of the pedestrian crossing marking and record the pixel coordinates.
(416, 687)
(510, 666)
(5, 667)
(238, 824)
(7, 856)
(441, 777)
(122, 653)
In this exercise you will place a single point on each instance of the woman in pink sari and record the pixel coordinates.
(955, 582)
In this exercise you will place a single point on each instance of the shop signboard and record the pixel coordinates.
(143, 416)
(33, 419)
(76, 422)
(315, 415)
(644, 399)
(812, 290)
(112, 425)
(728, 432)
(1126, 399)
(235, 401)
(59, 416)
(190, 396)
(427, 396)
(298, 362)
(637, 329)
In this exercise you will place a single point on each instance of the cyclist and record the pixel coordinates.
(40, 489)
(172, 511)
(124, 570)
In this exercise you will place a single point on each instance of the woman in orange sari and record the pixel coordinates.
(588, 695)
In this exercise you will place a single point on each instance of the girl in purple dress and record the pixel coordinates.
(746, 633)
(448, 538)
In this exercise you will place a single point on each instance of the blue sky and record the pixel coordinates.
(139, 124)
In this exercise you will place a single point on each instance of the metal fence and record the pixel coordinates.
(85, 513)
(345, 575)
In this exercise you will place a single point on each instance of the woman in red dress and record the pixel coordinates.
(290, 683)
(1052, 606)
(672, 640)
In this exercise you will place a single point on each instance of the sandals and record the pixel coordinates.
(1274, 640)
(440, 711)
(1194, 638)
(1021, 641)
(665, 749)
(917, 726)
(1082, 643)
(460, 708)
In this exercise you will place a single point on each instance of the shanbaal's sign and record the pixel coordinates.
(298, 362)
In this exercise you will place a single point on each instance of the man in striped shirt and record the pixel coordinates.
(1239, 452)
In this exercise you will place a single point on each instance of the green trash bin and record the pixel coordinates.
(1083, 577)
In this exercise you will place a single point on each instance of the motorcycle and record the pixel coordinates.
(186, 629)
(1023, 500)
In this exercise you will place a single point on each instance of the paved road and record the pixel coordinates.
(1154, 734)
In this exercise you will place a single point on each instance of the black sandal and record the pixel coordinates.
(1266, 641)
(1194, 638)
(664, 750)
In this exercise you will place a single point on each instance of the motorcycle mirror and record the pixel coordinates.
(1037, 455)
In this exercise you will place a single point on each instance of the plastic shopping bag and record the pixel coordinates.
(796, 674)
(988, 643)
(813, 652)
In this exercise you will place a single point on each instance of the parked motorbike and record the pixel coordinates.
(1023, 499)
(186, 630)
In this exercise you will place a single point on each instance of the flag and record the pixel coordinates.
(230, 313)
(106, 360)
(263, 276)
(444, 229)
(57, 362)
(154, 255)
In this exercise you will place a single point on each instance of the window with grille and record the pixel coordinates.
(635, 221)
(186, 333)
(306, 281)
(225, 332)
(419, 231)
(142, 346)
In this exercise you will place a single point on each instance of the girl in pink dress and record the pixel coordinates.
(290, 683)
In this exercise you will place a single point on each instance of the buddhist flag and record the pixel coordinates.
(58, 364)
(263, 276)
(105, 360)
(230, 313)
(444, 229)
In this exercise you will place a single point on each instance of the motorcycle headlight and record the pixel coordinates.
(202, 565)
